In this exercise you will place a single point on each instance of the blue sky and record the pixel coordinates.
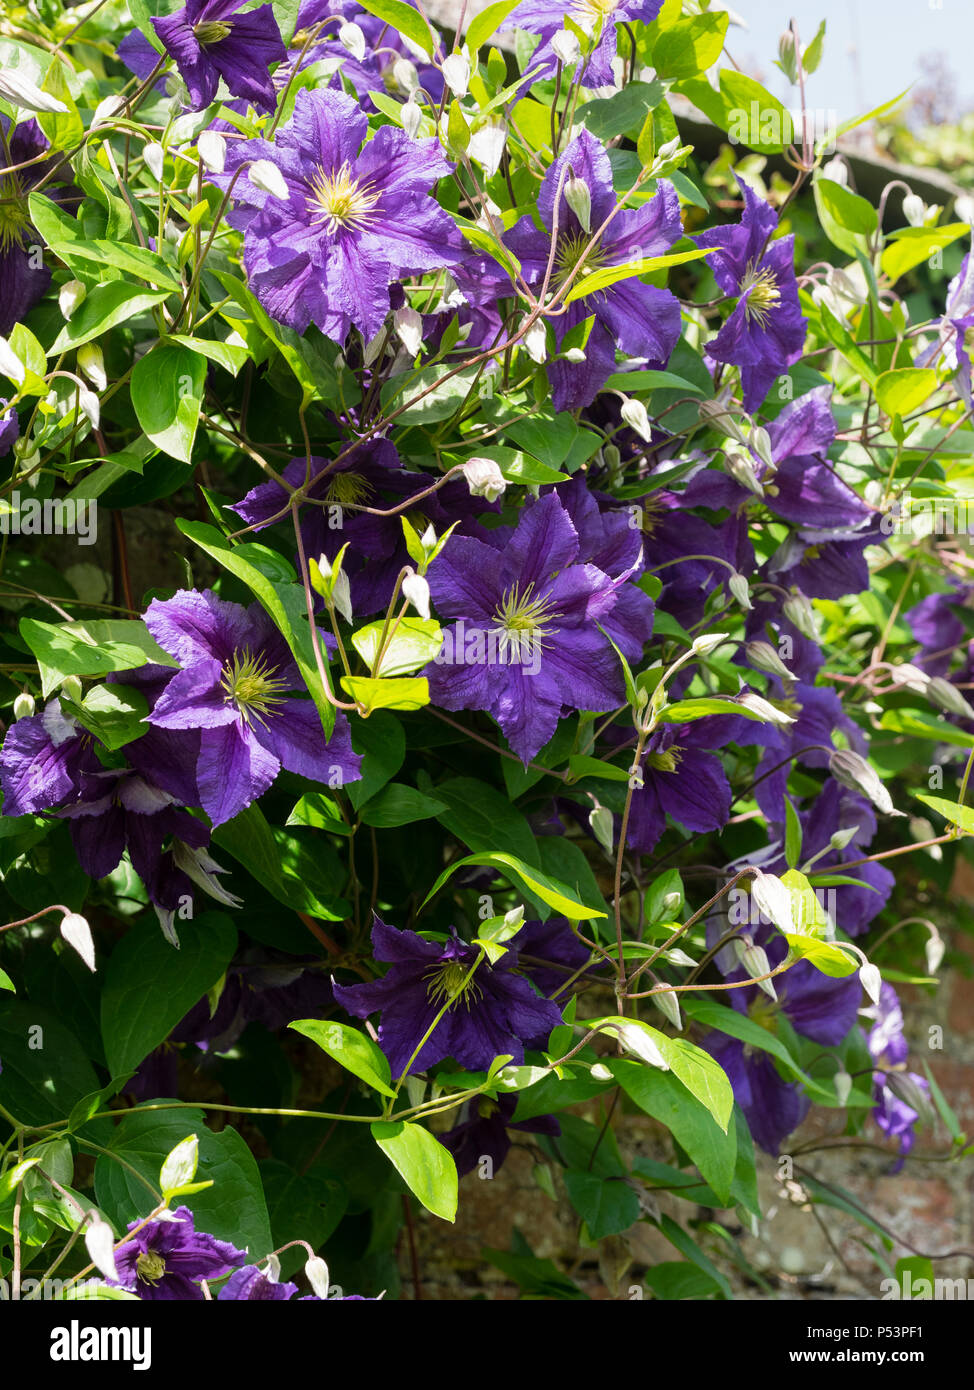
(871, 46)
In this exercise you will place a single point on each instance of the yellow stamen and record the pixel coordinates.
(252, 686)
(340, 201)
(762, 292)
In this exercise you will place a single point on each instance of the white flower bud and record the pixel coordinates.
(70, 295)
(574, 355)
(10, 364)
(565, 47)
(316, 1271)
(911, 676)
(760, 443)
(635, 416)
(764, 709)
(484, 478)
(406, 75)
(351, 37)
(914, 210)
(106, 109)
(668, 1003)
(268, 178)
(578, 196)
(600, 1072)
(773, 899)
(341, 595)
(943, 693)
(800, 613)
(742, 470)
(741, 590)
(669, 149)
(487, 146)
(212, 150)
(417, 592)
(934, 949)
(843, 1086)
(841, 838)
(409, 329)
(89, 405)
(763, 657)
(412, 118)
(24, 706)
(456, 73)
(601, 824)
(155, 159)
(92, 363)
(755, 961)
(837, 170)
(536, 343)
(855, 773)
(871, 980)
(638, 1041)
(180, 1165)
(100, 1244)
(709, 642)
(77, 933)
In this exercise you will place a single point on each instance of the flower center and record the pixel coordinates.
(668, 761)
(211, 31)
(338, 200)
(764, 1011)
(348, 490)
(251, 685)
(150, 1267)
(571, 245)
(446, 985)
(13, 220)
(588, 11)
(520, 621)
(652, 510)
(762, 292)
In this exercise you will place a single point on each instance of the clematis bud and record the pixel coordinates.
(741, 590)
(755, 961)
(764, 709)
(948, 697)
(487, 146)
(416, 590)
(934, 949)
(871, 980)
(601, 823)
(760, 444)
(574, 355)
(668, 1003)
(717, 414)
(841, 838)
(10, 364)
(843, 1086)
(77, 933)
(742, 470)
(268, 178)
(638, 1041)
(412, 118)
(788, 55)
(212, 150)
(914, 210)
(906, 1089)
(763, 657)
(456, 74)
(351, 38)
(406, 75)
(90, 406)
(316, 1271)
(911, 676)
(536, 343)
(709, 642)
(484, 478)
(565, 47)
(578, 196)
(855, 773)
(773, 900)
(92, 363)
(409, 329)
(635, 416)
(70, 295)
(72, 689)
(800, 613)
(100, 1244)
(155, 159)
(179, 1169)
(600, 1072)
(24, 706)
(20, 91)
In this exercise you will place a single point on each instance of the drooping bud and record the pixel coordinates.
(316, 1271)
(742, 470)
(763, 657)
(635, 415)
(100, 1244)
(764, 709)
(92, 363)
(843, 1086)
(800, 613)
(601, 823)
(578, 196)
(417, 592)
(155, 159)
(760, 444)
(914, 210)
(855, 773)
(24, 705)
(487, 145)
(638, 1041)
(412, 118)
(179, 1168)
(484, 478)
(456, 73)
(268, 178)
(708, 642)
(77, 933)
(536, 343)
(406, 75)
(904, 1088)
(741, 590)
(565, 47)
(351, 38)
(773, 900)
(934, 949)
(871, 980)
(943, 693)
(755, 961)
(409, 329)
(668, 1003)
(70, 295)
(212, 150)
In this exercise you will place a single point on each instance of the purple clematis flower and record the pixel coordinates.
(766, 332)
(952, 346)
(546, 18)
(236, 671)
(24, 277)
(773, 1107)
(249, 1285)
(936, 624)
(640, 319)
(356, 219)
(43, 759)
(210, 39)
(9, 428)
(168, 1256)
(485, 1132)
(527, 644)
(894, 1088)
(497, 1010)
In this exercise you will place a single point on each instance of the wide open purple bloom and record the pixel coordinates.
(496, 1013)
(209, 39)
(640, 319)
(249, 1285)
(168, 1256)
(766, 332)
(936, 624)
(356, 220)
(527, 645)
(236, 670)
(546, 17)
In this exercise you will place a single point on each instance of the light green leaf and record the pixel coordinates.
(354, 1050)
(414, 643)
(426, 1167)
(554, 894)
(403, 692)
(405, 19)
(167, 390)
(905, 389)
(105, 307)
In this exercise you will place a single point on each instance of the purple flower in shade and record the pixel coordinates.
(236, 671)
(550, 953)
(827, 562)
(952, 343)
(772, 1106)
(210, 39)
(546, 17)
(641, 320)
(484, 1133)
(818, 715)
(9, 428)
(24, 278)
(355, 221)
(766, 332)
(527, 645)
(251, 1286)
(768, 622)
(497, 1010)
(936, 624)
(168, 1256)
(43, 759)
(894, 1088)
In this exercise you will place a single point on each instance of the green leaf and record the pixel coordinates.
(904, 390)
(285, 868)
(399, 804)
(847, 219)
(839, 336)
(674, 1280)
(486, 24)
(65, 236)
(89, 648)
(149, 985)
(951, 811)
(735, 1025)
(607, 1205)
(686, 711)
(662, 1095)
(167, 391)
(414, 643)
(538, 885)
(484, 819)
(355, 1051)
(678, 1237)
(284, 603)
(919, 724)
(691, 46)
(911, 246)
(602, 279)
(426, 1167)
(851, 124)
(755, 118)
(793, 835)
(319, 811)
(115, 714)
(45, 1069)
(406, 692)
(105, 307)
(382, 741)
(404, 18)
(230, 356)
(301, 1206)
